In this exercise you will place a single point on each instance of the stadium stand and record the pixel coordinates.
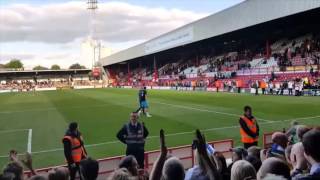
(299, 66)
(279, 52)
(17, 81)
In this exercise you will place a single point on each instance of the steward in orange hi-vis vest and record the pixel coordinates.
(74, 150)
(77, 150)
(249, 129)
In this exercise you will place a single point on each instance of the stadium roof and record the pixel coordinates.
(242, 15)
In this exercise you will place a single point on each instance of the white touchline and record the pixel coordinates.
(29, 146)
(206, 110)
(173, 134)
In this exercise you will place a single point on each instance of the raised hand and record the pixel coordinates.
(200, 142)
(163, 146)
(13, 155)
(27, 162)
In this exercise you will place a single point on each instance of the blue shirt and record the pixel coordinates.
(315, 169)
(142, 95)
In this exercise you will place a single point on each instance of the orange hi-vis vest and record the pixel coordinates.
(238, 83)
(263, 85)
(252, 125)
(77, 149)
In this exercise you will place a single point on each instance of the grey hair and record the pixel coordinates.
(173, 169)
(242, 170)
(120, 174)
(274, 177)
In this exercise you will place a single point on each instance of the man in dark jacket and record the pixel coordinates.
(74, 150)
(133, 134)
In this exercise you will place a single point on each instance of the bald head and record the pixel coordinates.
(60, 173)
(280, 139)
(297, 157)
(173, 169)
(273, 166)
(301, 130)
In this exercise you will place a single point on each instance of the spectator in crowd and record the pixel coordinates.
(167, 169)
(7, 176)
(238, 154)
(89, 169)
(287, 152)
(133, 134)
(301, 130)
(15, 169)
(254, 161)
(249, 128)
(120, 174)
(254, 151)
(274, 177)
(297, 160)
(243, 170)
(311, 147)
(274, 166)
(131, 164)
(38, 177)
(292, 133)
(173, 169)
(60, 173)
(74, 150)
(279, 145)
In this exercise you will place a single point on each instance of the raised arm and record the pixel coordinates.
(156, 172)
(210, 167)
(28, 163)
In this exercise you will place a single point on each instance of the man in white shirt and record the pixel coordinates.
(290, 87)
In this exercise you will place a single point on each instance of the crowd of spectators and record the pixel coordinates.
(31, 85)
(300, 52)
(294, 154)
(308, 50)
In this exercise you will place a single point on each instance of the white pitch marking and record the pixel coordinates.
(29, 146)
(207, 110)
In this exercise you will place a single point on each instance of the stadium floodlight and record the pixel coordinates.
(92, 7)
(93, 4)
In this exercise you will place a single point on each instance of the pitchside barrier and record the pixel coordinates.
(267, 140)
(184, 153)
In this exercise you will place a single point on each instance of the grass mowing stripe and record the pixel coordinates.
(175, 134)
(13, 130)
(206, 110)
(54, 108)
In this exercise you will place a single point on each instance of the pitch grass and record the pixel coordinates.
(101, 112)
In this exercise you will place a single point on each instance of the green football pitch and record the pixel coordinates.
(37, 121)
